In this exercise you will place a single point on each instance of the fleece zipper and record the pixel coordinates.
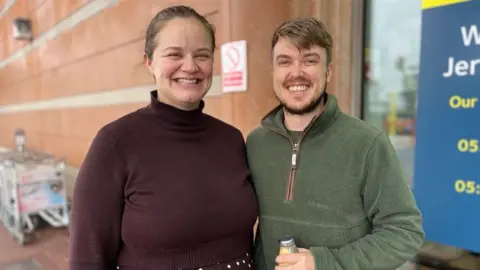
(295, 152)
(293, 172)
(294, 163)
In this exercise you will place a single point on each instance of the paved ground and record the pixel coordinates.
(48, 251)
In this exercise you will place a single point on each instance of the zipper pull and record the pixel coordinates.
(294, 156)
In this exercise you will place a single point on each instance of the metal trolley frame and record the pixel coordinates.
(32, 191)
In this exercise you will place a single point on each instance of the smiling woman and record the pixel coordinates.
(181, 64)
(167, 186)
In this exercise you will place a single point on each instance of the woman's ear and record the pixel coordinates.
(148, 62)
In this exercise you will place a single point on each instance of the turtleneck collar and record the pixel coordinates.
(176, 118)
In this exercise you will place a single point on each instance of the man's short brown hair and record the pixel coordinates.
(305, 32)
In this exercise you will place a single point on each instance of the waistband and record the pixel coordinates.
(204, 254)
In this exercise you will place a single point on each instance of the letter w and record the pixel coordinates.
(472, 34)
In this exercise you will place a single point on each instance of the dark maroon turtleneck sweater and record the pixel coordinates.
(162, 188)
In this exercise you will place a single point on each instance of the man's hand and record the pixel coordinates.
(303, 260)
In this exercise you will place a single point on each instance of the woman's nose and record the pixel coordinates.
(189, 64)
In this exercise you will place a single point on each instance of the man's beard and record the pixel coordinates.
(310, 107)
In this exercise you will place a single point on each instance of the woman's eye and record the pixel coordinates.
(203, 56)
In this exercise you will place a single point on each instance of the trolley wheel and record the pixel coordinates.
(24, 239)
(36, 221)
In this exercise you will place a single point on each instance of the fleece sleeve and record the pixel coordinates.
(389, 204)
(97, 207)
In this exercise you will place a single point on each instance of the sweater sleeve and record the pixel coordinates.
(389, 204)
(97, 207)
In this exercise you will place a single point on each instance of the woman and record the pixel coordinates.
(166, 187)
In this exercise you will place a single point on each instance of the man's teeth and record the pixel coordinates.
(297, 88)
(187, 81)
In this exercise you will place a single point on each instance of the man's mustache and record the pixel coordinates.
(297, 81)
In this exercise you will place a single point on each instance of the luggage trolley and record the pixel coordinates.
(32, 190)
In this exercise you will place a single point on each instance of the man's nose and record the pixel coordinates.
(296, 71)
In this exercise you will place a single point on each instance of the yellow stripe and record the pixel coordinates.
(426, 4)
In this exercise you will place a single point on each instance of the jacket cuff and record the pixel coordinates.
(320, 257)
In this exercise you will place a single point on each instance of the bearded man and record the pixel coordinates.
(331, 181)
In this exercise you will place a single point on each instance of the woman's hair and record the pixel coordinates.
(162, 17)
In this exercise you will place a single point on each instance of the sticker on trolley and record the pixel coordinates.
(38, 175)
(39, 196)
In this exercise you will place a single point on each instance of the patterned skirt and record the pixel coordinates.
(245, 262)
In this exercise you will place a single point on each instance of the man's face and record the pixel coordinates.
(299, 76)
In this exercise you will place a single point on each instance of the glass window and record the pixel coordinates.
(390, 86)
(392, 56)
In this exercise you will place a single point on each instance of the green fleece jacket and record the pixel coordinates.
(338, 190)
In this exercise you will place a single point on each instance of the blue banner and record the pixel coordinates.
(447, 154)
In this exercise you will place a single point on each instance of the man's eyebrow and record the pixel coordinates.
(282, 56)
(311, 54)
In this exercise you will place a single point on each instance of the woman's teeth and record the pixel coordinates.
(297, 88)
(187, 81)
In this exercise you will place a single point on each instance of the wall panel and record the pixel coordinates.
(90, 48)
(108, 45)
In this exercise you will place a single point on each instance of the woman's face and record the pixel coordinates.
(182, 63)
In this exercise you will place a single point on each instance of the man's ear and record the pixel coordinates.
(329, 71)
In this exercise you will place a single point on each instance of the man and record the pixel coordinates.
(331, 181)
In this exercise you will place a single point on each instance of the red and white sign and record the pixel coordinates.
(234, 66)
